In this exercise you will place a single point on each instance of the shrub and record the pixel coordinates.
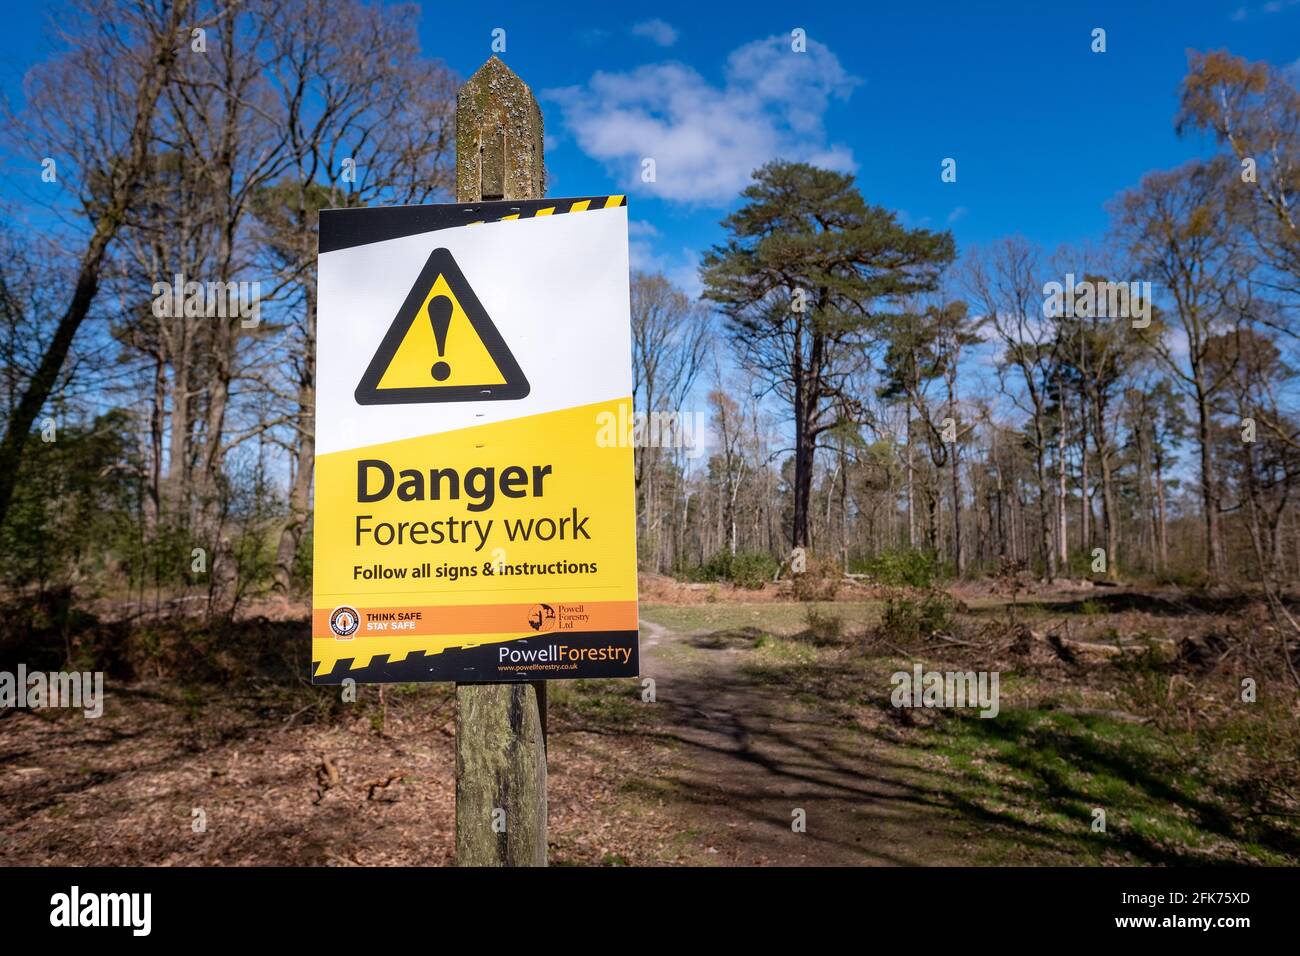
(716, 568)
(47, 631)
(823, 628)
(745, 570)
(72, 504)
(909, 619)
(752, 570)
(820, 580)
(902, 567)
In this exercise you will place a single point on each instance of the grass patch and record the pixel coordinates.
(606, 702)
(1186, 773)
(1037, 776)
(780, 619)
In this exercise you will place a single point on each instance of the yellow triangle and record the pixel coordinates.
(467, 358)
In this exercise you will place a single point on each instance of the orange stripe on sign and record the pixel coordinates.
(553, 616)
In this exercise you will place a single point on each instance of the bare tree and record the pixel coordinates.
(1006, 284)
(1181, 228)
(669, 347)
(94, 107)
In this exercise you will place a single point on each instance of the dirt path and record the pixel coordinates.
(743, 757)
(709, 774)
(762, 709)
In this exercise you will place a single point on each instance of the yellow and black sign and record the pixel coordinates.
(475, 510)
(441, 347)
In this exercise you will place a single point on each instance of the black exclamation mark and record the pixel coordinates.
(440, 318)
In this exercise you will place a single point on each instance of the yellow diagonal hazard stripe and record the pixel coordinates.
(578, 205)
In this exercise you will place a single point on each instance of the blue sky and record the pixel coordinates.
(1043, 130)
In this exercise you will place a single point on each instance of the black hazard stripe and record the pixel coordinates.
(482, 663)
(535, 208)
(360, 226)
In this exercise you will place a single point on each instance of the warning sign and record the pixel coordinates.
(441, 347)
(475, 512)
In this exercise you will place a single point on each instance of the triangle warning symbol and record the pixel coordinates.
(441, 347)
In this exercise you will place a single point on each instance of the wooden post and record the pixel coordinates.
(500, 728)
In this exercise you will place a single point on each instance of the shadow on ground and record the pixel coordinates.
(746, 748)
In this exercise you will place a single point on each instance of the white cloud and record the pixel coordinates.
(656, 31)
(706, 140)
(1267, 9)
(682, 268)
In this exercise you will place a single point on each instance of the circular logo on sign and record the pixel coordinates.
(542, 617)
(344, 621)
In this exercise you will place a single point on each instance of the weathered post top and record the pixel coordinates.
(498, 137)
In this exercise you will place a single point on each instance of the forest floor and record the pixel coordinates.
(770, 740)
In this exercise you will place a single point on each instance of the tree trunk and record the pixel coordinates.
(958, 550)
(1162, 533)
(1062, 543)
(1209, 497)
(1085, 492)
(1110, 516)
(911, 487)
(300, 493)
(1045, 549)
(803, 469)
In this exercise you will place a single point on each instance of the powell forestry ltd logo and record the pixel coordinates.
(542, 618)
(559, 617)
(344, 622)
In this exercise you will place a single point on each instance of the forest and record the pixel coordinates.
(854, 417)
(866, 391)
